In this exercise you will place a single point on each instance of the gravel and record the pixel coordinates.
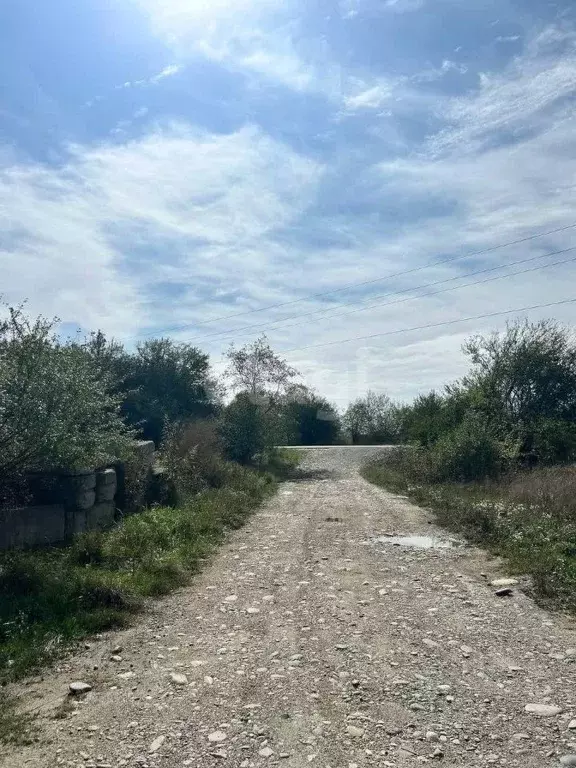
(361, 654)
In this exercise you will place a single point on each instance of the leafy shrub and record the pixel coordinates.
(192, 457)
(467, 453)
(243, 429)
(553, 441)
(56, 408)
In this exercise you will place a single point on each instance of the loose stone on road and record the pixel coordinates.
(312, 638)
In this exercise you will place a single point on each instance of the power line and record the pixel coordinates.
(363, 283)
(279, 324)
(431, 325)
(455, 288)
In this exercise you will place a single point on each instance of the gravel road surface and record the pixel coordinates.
(309, 642)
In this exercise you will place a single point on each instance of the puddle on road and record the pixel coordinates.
(416, 542)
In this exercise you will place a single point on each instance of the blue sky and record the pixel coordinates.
(167, 162)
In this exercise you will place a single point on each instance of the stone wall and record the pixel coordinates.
(85, 500)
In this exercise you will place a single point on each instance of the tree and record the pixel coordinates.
(309, 419)
(524, 382)
(161, 383)
(56, 406)
(372, 419)
(243, 429)
(257, 370)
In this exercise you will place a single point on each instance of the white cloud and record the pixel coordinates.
(368, 97)
(215, 217)
(352, 8)
(169, 71)
(88, 241)
(521, 98)
(251, 36)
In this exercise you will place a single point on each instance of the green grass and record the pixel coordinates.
(52, 598)
(528, 519)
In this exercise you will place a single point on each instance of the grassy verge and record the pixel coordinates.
(528, 519)
(52, 598)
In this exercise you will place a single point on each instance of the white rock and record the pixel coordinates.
(266, 752)
(208, 680)
(354, 731)
(231, 599)
(178, 679)
(126, 675)
(116, 658)
(217, 736)
(79, 688)
(572, 724)
(503, 582)
(253, 610)
(568, 760)
(220, 753)
(432, 736)
(543, 710)
(156, 744)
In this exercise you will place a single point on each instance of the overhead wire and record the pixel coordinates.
(279, 324)
(432, 325)
(363, 283)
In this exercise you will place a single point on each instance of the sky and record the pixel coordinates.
(215, 169)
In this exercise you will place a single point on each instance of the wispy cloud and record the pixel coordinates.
(169, 71)
(352, 8)
(400, 160)
(183, 205)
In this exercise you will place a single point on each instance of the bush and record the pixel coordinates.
(56, 409)
(192, 457)
(466, 454)
(553, 441)
(243, 429)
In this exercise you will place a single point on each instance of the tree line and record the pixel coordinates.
(515, 408)
(77, 403)
(80, 402)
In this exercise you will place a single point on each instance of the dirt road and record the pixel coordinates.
(306, 642)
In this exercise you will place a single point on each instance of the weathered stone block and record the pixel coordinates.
(32, 526)
(101, 516)
(145, 448)
(84, 500)
(105, 493)
(78, 521)
(80, 481)
(106, 484)
(105, 477)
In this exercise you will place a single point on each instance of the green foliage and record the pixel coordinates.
(256, 369)
(50, 598)
(373, 419)
(525, 384)
(521, 389)
(192, 457)
(528, 518)
(161, 383)
(56, 406)
(469, 452)
(308, 418)
(244, 429)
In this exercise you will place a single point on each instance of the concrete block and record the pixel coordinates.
(100, 516)
(106, 485)
(78, 521)
(32, 526)
(105, 477)
(80, 481)
(145, 448)
(84, 500)
(105, 493)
